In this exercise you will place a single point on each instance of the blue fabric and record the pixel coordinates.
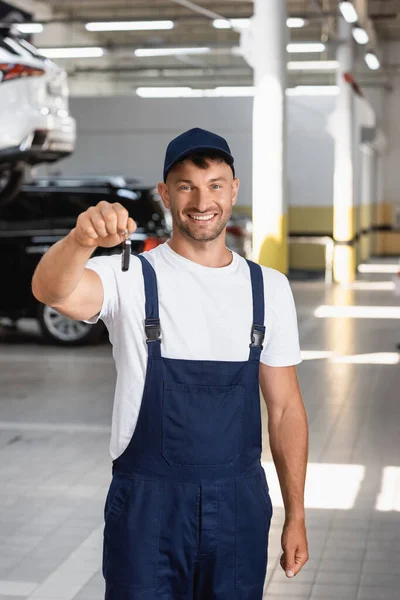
(192, 141)
(188, 511)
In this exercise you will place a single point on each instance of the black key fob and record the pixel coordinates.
(126, 254)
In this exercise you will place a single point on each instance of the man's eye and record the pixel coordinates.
(216, 186)
(185, 187)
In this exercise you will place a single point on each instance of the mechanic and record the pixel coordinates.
(195, 330)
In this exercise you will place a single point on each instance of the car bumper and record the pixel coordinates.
(52, 138)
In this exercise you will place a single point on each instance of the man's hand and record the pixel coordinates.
(103, 225)
(294, 546)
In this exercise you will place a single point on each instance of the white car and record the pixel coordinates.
(35, 124)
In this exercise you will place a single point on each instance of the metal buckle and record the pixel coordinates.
(153, 330)
(257, 336)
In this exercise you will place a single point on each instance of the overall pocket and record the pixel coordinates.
(202, 425)
(253, 519)
(131, 537)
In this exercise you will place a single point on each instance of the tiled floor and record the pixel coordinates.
(55, 412)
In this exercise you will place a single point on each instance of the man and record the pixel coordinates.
(195, 329)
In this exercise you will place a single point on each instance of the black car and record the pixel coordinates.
(45, 211)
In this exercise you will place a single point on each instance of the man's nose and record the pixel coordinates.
(202, 200)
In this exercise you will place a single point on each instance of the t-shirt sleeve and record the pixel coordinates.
(281, 346)
(104, 266)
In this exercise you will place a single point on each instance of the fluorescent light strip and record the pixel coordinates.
(231, 23)
(306, 48)
(313, 65)
(89, 52)
(296, 22)
(293, 22)
(129, 25)
(313, 90)
(145, 52)
(30, 27)
(228, 92)
(348, 11)
(360, 35)
(187, 92)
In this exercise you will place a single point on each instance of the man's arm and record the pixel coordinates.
(288, 434)
(61, 279)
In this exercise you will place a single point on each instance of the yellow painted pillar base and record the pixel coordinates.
(344, 264)
(274, 248)
(365, 247)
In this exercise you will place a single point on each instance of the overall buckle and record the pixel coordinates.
(257, 336)
(153, 330)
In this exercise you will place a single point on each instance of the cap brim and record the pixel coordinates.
(228, 157)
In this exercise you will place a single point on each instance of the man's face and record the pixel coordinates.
(200, 200)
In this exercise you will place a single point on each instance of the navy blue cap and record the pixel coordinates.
(193, 141)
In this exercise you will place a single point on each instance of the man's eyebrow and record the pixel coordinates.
(191, 182)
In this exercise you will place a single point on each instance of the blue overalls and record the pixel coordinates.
(188, 511)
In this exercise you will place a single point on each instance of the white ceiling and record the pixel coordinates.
(193, 27)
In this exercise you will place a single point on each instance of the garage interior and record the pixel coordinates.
(132, 89)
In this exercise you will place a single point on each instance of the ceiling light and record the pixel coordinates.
(313, 65)
(129, 25)
(243, 23)
(372, 61)
(348, 11)
(90, 52)
(141, 52)
(232, 91)
(162, 92)
(312, 47)
(360, 35)
(231, 23)
(30, 27)
(295, 22)
(313, 90)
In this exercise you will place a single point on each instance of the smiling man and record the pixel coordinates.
(195, 330)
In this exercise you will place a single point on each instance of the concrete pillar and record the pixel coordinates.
(270, 219)
(343, 184)
(367, 200)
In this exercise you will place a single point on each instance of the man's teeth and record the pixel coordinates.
(203, 218)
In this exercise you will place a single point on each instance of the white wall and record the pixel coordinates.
(128, 136)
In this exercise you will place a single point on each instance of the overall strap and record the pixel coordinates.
(152, 325)
(258, 328)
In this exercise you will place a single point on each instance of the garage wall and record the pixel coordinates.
(128, 136)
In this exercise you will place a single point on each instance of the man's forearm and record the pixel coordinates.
(288, 435)
(60, 270)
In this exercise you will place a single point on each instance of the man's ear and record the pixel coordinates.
(164, 193)
(235, 190)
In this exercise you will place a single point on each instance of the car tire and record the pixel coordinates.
(11, 179)
(60, 330)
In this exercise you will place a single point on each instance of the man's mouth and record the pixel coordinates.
(207, 217)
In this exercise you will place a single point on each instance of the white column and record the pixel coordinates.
(343, 184)
(367, 199)
(269, 134)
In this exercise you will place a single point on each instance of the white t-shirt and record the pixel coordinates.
(205, 313)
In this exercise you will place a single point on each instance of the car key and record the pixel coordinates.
(126, 252)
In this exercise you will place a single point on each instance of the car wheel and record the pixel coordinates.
(58, 329)
(11, 180)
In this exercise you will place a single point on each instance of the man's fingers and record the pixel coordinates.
(110, 218)
(293, 560)
(131, 225)
(99, 224)
(122, 217)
